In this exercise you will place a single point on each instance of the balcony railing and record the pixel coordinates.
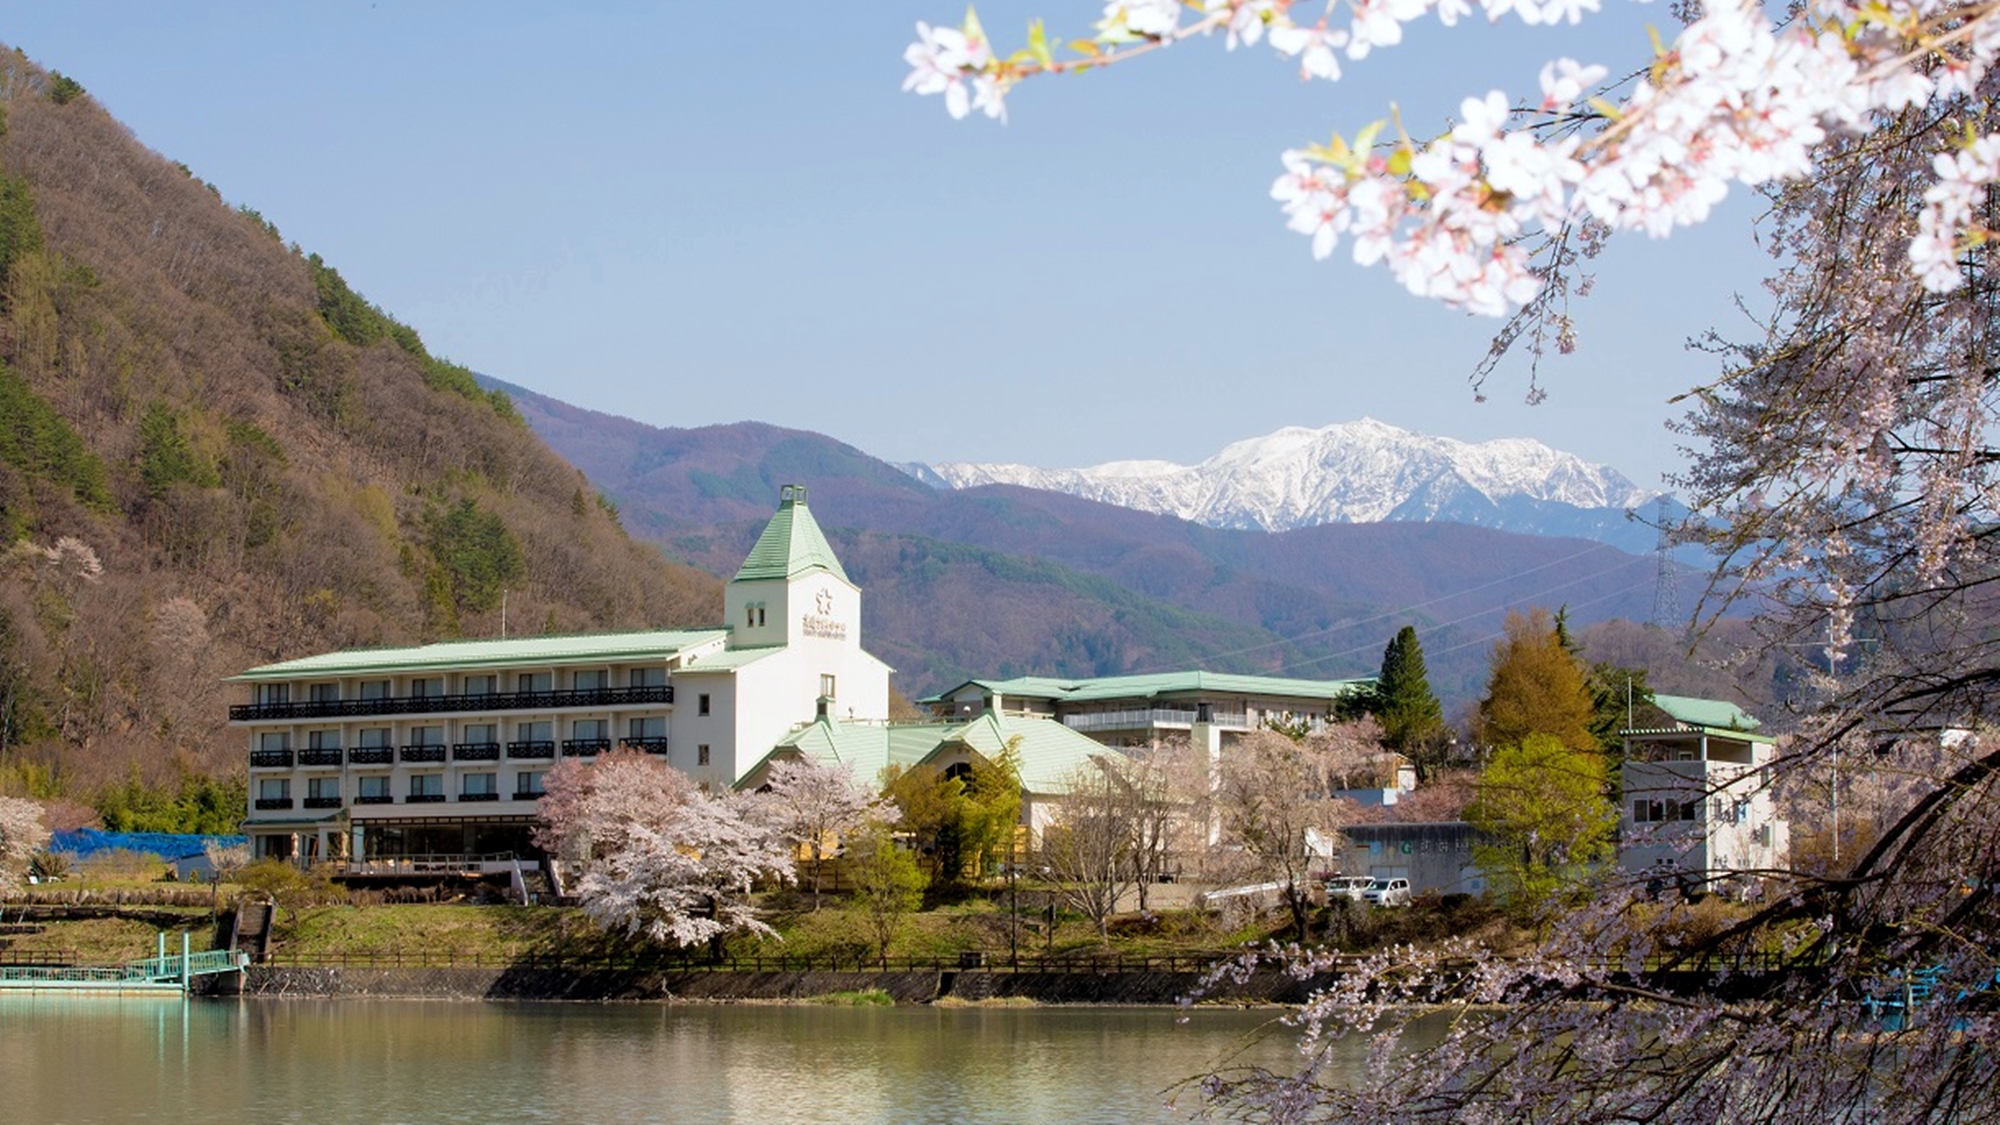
(271, 759)
(322, 802)
(320, 757)
(527, 794)
(373, 799)
(440, 704)
(426, 752)
(584, 747)
(1139, 718)
(371, 755)
(492, 796)
(424, 799)
(532, 749)
(475, 752)
(651, 744)
(274, 803)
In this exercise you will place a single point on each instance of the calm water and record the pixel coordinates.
(80, 1060)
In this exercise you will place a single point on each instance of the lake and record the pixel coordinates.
(80, 1060)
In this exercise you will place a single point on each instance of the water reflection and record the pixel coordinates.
(81, 1060)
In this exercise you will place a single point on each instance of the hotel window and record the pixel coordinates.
(701, 754)
(535, 681)
(479, 732)
(274, 740)
(322, 740)
(274, 789)
(596, 680)
(274, 693)
(374, 787)
(701, 704)
(649, 677)
(427, 785)
(325, 693)
(826, 685)
(649, 728)
(373, 738)
(374, 689)
(528, 784)
(427, 736)
(479, 685)
(533, 732)
(322, 788)
(480, 785)
(590, 728)
(424, 687)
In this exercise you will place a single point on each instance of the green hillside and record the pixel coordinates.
(214, 452)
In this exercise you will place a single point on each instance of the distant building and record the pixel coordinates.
(1698, 809)
(1433, 857)
(386, 760)
(1210, 709)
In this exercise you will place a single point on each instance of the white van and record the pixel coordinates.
(1387, 892)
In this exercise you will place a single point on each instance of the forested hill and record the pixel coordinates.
(214, 453)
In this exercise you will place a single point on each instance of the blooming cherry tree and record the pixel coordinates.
(22, 834)
(814, 805)
(1483, 216)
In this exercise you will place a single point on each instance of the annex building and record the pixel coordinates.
(371, 758)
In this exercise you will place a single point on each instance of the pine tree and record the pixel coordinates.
(1404, 704)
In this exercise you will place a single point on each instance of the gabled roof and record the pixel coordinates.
(1048, 751)
(1714, 717)
(583, 648)
(1160, 684)
(791, 544)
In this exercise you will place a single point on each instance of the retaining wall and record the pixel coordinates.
(909, 987)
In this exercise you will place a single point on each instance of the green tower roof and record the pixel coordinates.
(792, 543)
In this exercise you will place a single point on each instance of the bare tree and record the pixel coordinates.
(1275, 801)
(1088, 850)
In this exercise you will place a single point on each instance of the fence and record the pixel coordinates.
(784, 963)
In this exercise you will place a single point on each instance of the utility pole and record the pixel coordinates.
(503, 613)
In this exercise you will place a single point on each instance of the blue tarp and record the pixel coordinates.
(86, 842)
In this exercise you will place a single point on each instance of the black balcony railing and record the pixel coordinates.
(320, 757)
(440, 704)
(424, 799)
(584, 747)
(427, 752)
(271, 759)
(274, 802)
(651, 744)
(494, 796)
(322, 802)
(527, 794)
(373, 799)
(371, 755)
(475, 752)
(542, 749)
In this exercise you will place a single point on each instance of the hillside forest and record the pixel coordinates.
(215, 453)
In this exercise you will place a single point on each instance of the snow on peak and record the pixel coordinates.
(1349, 472)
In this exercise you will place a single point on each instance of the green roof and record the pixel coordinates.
(791, 544)
(1713, 713)
(585, 648)
(728, 660)
(1161, 684)
(1048, 750)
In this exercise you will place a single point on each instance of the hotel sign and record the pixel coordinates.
(821, 622)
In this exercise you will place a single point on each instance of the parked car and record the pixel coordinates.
(1387, 892)
(1346, 886)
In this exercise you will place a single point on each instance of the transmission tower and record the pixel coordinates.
(1666, 589)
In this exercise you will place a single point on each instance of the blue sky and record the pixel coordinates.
(696, 213)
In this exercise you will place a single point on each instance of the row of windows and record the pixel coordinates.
(373, 738)
(1659, 812)
(376, 786)
(484, 683)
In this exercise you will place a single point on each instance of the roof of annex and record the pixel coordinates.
(1160, 685)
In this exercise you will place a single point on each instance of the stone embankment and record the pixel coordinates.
(921, 986)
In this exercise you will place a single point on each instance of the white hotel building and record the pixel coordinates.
(432, 757)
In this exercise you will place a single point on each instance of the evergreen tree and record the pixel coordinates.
(1536, 687)
(1404, 705)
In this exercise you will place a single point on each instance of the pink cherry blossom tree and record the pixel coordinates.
(22, 834)
(814, 806)
(661, 858)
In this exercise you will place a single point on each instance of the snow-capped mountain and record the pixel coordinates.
(1353, 472)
